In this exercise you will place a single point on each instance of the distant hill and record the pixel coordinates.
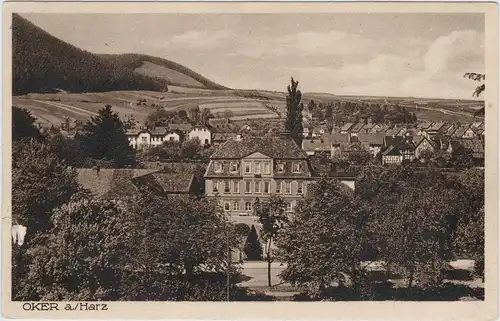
(44, 63)
(174, 73)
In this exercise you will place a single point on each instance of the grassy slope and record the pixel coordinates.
(136, 62)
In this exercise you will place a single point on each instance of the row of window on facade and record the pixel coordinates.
(228, 187)
(235, 206)
(257, 167)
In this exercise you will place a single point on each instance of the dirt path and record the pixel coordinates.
(73, 109)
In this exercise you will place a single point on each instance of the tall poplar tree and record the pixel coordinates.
(294, 108)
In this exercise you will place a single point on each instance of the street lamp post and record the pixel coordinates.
(228, 259)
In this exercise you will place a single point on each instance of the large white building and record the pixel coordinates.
(202, 133)
(147, 137)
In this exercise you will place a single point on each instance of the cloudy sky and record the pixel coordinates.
(421, 55)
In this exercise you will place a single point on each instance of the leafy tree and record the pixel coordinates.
(192, 149)
(294, 108)
(311, 106)
(205, 116)
(413, 214)
(329, 117)
(325, 240)
(23, 124)
(40, 183)
(194, 115)
(179, 251)
(253, 248)
(169, 150)
(129, 122)
(479, 89)
(104, 139)
(67, 149)
(272, 215)
(159, 117)
(470, 239)
(413, 235)
(462, 157)
(182, 115)
(477, 77)
(83, 254)
(361, 157)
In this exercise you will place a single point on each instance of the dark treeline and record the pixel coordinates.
(348, 111)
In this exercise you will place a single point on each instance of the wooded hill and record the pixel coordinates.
(44, 63)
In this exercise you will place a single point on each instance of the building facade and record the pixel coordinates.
(249, 168)
(147, 137)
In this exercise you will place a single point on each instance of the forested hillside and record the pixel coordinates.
(44, 63)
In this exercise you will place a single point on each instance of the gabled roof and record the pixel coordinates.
(391, 151)
(175, 178)
(371, 138)
(452, 129)
(277, 147)
(110, 183)
(417, 140)
(338, 138)
(322, 143)
(436, 126)
(399, 142)
(223, 136)
(369, 126)
(153, 131)
(123, 183)
(357, 127)
(181, 127)
(347, 126)
(460, 131)
(424, 125)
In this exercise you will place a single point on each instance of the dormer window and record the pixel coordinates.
(297, 168)
(218, 167)
(281, 167)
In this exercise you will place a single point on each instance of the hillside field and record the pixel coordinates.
(237, 104)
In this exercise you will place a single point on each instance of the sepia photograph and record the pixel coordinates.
(248, 157)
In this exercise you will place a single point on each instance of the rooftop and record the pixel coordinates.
(277, 147)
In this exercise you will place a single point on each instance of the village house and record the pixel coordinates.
(398, 149)
(337, 140)
(356, 129)
(221, 138)
(422, 143)
(202, 133)
(374, 141)
(465, 131)
(435, 128)
(144, 137)
(346, 128)
(314, 145)
(123, 184)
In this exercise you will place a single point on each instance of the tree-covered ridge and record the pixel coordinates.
(44, 63)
